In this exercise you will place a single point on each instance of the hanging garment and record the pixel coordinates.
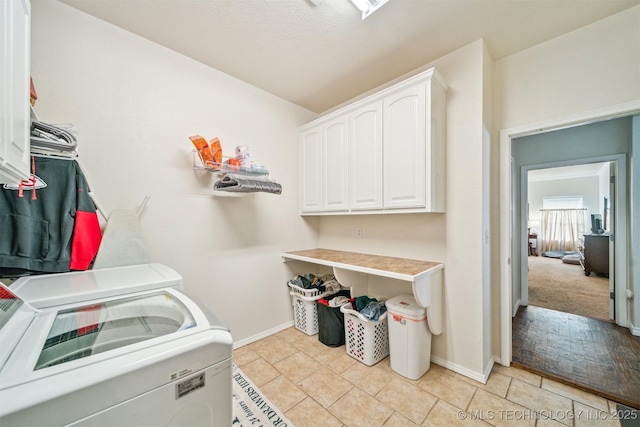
(48, 224)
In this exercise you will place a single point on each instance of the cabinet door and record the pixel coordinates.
(405, 148)
(596, 254)
(335, 165)
(15, 123)
(311, 170)
(365, 157)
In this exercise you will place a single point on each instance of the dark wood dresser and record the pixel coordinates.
(596, 254)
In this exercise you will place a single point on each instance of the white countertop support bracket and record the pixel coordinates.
(358, 282)
(427, 290)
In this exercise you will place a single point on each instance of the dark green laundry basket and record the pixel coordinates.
(331, 321)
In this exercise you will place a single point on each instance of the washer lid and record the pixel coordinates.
(15, 318)
(406, 305)
(9, 304)
(83, 331)
(50, 290)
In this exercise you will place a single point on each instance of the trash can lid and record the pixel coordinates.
(406, 305)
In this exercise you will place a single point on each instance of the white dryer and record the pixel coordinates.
(112, 347)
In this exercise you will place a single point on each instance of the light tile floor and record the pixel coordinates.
(316, 385)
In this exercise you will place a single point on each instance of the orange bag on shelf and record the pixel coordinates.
(203, 149)
(198, 142)
(216, 150)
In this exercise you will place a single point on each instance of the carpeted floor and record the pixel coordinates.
(564, 287)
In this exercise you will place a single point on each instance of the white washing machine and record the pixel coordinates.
(112, 347)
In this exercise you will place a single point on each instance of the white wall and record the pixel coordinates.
(490, 298)
(135, 104)
(589, 69)
(634, 213)
(454, 238)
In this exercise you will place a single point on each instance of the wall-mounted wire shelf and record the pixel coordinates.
(234, 179)
(223, 168)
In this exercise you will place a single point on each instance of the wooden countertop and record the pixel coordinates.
(397, 268)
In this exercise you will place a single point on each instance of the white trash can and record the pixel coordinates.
(409, 337)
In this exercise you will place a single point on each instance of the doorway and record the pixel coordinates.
(513, 215)
(560, 204)
(593, 136)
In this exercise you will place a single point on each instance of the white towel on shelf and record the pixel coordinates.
(122, 242)
(245, 184)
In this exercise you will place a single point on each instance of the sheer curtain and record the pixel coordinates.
(561, 229)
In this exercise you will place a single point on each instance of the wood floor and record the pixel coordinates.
(586, 353)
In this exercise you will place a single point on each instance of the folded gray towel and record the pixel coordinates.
(242, 184)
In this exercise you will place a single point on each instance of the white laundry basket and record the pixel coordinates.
(409, 337)
(366, 340)
(305, 310)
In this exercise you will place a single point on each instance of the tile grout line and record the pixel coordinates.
(539, 385)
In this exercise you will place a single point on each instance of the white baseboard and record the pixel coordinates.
(263, 334)
(464, 371)
(514, 309)
(635, 330)
(437, 360)
(488, 368)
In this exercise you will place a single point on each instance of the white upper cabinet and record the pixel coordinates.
(335, 189)
(404, 148)
(311, 170)
(365, 155)
(15, 121)
(324, 167)
(387, 156)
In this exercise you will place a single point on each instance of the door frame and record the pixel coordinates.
(507, 247)
(619, 197)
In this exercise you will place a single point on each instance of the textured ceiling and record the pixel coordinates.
(321, 55)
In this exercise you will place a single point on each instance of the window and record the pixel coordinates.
(562, 202)
(563, 223)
